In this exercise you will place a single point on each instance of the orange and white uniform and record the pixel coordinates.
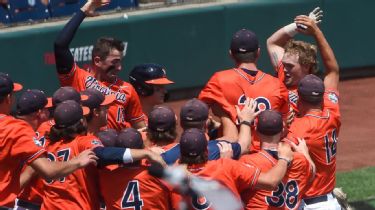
(131, 187)
(292, 91)
(231, 87)
(79, 190)
(320, 129)
(126, 108)
(290, 191)
(18, 147)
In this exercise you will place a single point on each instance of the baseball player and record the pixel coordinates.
(234, 175)
(229, 88)
(293, 59)
(108, 137)
(107, 56)
(149, 80)
(129, 186)
(194, 114)
(319, 124)
(17, 147)
(98, 104)
(288, 194)
(32, 107)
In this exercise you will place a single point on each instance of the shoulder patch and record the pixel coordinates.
(333, 98)
(96, 142)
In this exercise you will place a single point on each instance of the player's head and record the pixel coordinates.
(98, 104)
(244, 47)
(194, 114)
(149, 80)
(69, 121)
(310, 92)
(269, 124)
(32, 106)
(66, 93)
(193, 147)
(107, 57)
(161, 125)
(300, 59)
(108, 137)
(130, 138)
(7, 88)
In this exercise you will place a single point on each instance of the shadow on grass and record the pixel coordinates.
(364, 205)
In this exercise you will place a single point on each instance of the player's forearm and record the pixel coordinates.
(64, 58)
(26, 176)
(271, 179)
(54, 170)
(244, 138)
(275, 45)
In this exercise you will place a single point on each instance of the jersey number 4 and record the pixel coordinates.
(284, 195)
(132, 196)
(330, 141)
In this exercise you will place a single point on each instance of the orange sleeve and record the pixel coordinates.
(133, 111)
(74, 78)
(213, 93)
(89, 142)
(25, 144)
(301, 168)
(331, 100)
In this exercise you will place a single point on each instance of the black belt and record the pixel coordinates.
(28, 205)
(318, 199)
(4, 208)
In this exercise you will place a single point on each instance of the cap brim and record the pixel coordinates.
(49, 103)
(108, 100)
(160, 81)
(85, 110)
(17, 87)
(84, 97)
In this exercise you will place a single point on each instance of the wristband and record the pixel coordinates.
(291, 29)
(245, 123)
(287, 161)
(127, 157)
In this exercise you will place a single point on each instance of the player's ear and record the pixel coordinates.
(97, 60)
(230, 53)
(258, 53)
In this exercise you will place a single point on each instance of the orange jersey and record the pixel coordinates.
(236, 176)
(126, 108)
(131, 187)
(290, 191)
(17, 146)
(320, 130)
(231, 87)
(78, 190)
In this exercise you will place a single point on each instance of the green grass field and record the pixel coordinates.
(360, 187)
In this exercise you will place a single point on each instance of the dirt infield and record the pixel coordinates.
(358, 117)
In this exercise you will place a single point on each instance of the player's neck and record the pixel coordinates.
(269, 146)
(146, 106)
(249, 66)
(92, 128)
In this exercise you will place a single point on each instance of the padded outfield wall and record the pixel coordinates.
(192, 43)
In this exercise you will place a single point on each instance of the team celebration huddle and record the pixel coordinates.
(265, 141)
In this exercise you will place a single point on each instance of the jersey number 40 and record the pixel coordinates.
(286, 194)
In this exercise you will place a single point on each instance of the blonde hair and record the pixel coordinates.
(307, 54)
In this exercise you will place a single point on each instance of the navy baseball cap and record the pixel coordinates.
(244, 41)
(67, 93)
(108, 137)
(269, 123)
(194, 110)
(161, 118)
(95, 98)
(311, 88)
(31, 101)
(68, 113)
(130, 138)
(7, 85)
(193, 142)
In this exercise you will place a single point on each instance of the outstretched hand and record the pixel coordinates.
(248, 111)
(86, 158)
(91, 5)
(316, 15)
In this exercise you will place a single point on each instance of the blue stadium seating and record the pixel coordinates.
(59, 8)
(4, 15)
(25, 10)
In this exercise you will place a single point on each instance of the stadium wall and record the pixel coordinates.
(191, 43)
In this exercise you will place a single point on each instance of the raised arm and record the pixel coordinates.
(277, 41)
(63, 56)
(331, 66)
